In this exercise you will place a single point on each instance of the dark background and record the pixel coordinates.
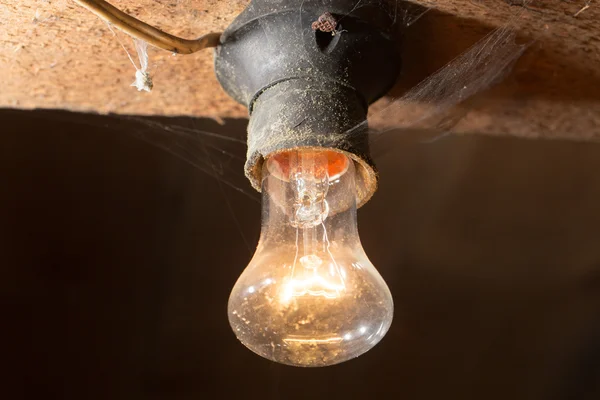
(118, 259)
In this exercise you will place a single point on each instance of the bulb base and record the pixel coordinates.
(301, 114)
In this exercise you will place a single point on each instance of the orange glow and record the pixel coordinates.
(336, 163)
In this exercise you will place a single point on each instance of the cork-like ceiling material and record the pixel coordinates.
(56, 54)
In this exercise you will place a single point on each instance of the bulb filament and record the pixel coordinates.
(311, 275)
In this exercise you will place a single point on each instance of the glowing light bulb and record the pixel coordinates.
(310, 296)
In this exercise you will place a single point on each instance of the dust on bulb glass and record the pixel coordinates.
(310, 296)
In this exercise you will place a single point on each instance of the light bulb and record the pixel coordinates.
(310, 296)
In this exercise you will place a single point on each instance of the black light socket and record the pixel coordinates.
(307, 87)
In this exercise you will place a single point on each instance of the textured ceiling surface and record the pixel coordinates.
(55, 54)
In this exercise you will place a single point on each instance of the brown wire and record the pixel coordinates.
(148, 33)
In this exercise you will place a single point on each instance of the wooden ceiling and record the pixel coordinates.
(55, 54)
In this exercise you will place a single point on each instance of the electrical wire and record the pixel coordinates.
(148, 33)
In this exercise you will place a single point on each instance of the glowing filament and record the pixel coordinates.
(306, 280)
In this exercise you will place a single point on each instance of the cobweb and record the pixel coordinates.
(217, 155)
(435, 104)
(143, 79)
(220, 156)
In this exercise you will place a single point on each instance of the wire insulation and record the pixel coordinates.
(148, 33)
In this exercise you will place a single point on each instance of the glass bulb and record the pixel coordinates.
(310, 296)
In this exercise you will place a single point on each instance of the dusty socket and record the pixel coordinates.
(306, 87)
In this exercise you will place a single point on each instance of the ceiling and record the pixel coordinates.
(55, 54)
